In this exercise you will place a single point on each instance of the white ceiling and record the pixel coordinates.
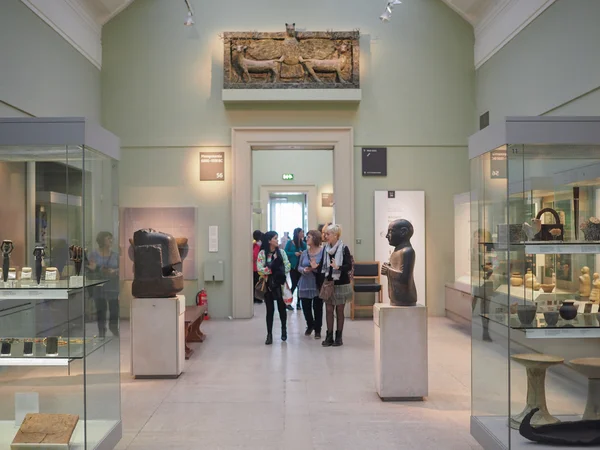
(472, 10)
(104, 10)
(495, 22)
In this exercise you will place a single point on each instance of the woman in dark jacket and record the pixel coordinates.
(293, 250)
(273, 265)
(336, 266)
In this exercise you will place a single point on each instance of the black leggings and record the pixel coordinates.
(295, 276)
(270, 304)
(308, 305)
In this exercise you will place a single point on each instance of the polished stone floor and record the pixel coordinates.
(237, 393)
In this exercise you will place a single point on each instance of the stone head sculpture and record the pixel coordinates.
(156, 261)
(400, 269)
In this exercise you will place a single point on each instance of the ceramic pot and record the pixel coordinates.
(551, 318)
(526, 313)
(548, 288)
(568, 311)
(516, 279)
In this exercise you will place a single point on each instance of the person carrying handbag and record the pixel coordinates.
(309, 284)
(336, 289)
(273, 265)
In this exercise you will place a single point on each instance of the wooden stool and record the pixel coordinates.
(590, 367)
(194, 315)
(536, 365)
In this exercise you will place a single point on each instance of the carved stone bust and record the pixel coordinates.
(400, 269)
(156, 259)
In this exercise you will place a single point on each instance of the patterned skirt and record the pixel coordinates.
(341, 294)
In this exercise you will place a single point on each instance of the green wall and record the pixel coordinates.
(161, 94)
(40, 72)
(552, 66)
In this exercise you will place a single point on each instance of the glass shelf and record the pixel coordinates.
(68, 350)
(46, 285)
(552, 247)
(583, 326)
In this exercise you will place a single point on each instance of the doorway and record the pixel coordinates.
(245, 142)
(286, 211)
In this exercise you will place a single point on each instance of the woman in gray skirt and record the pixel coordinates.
(336, 265)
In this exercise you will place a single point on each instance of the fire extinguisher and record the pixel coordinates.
(202, 300)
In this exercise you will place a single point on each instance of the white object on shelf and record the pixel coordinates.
(76, 281)
(400, 351)
(157, 337)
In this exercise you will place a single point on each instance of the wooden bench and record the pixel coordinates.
(194, 315)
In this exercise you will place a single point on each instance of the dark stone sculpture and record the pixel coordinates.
(7, 247)
(400, 269)
(155, 260)
(578, 433)
(292, 59)
(39, 254)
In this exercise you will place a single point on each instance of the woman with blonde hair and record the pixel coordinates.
(336, 266)
(308, 285)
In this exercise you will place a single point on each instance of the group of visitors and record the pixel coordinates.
(319, 267)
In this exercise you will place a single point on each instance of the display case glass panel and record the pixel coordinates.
(59, 323)
(534, 272)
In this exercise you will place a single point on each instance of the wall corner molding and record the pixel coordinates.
(71, 20)
(502, 23)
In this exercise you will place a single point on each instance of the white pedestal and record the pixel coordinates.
(157, 337)
(400, 352)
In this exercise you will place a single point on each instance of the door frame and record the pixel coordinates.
(243, 140)
(311, 201)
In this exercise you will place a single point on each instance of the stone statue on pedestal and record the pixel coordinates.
(400, 269)
(156, 258)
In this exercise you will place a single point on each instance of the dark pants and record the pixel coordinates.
(270, 304)
(295, 276)
(308, 305)
(109, 302)
(256, 278)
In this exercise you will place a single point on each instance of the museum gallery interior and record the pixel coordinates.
(415, 184)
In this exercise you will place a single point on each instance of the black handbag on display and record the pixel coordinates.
(550, 232)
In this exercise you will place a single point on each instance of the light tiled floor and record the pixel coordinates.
(237, 393)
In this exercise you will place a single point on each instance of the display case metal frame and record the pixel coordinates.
(60, 132)
(490, 430)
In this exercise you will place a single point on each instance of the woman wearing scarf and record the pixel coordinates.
(336, 266)
(273, 265)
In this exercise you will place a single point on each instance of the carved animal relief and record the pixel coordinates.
(292, 60)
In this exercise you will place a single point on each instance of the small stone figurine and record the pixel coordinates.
(7, 248)
(400, 269)
(595, 294)
(585, 283)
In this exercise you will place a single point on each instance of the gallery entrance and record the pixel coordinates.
(247, 141)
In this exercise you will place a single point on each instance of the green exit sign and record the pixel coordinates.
(288, 176)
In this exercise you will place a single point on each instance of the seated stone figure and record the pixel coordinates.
(155, 259)
(400, 269)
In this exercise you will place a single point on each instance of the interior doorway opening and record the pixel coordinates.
(247, 211)
(287, 211)
(288, 185)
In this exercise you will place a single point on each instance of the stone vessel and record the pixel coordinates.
(568, 310)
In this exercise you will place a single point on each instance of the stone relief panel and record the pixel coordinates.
(292, 59)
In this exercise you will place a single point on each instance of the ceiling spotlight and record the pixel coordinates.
(387, 14)
(189, 19)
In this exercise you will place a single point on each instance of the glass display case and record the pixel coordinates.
(458, 293)
(59, 282)
(535, 203)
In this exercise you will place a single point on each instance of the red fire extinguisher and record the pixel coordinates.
(202, 300)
